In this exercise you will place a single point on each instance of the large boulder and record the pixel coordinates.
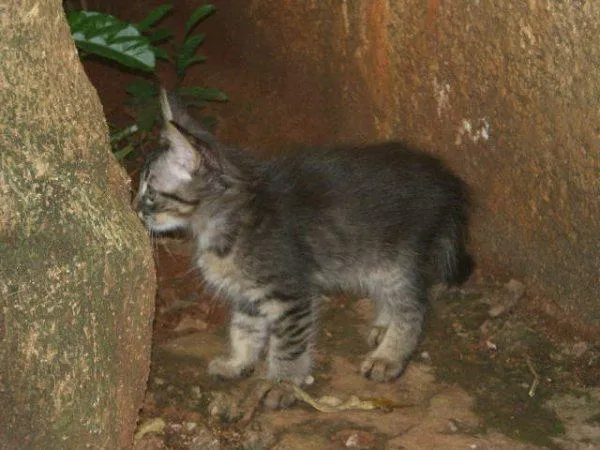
(77, 280)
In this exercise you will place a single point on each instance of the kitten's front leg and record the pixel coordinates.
(247, 334)
(289, 356)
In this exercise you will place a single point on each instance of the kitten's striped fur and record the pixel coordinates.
(273, 236)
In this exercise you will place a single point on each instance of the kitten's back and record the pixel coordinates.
(369, 203)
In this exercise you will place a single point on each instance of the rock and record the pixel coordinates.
(196, 392)
(516, 288)
(149, 442)
(257, 439)
(204, 440)
(191, 323)
(224, 407)
(351, 438)
(507, 299)
(579, 348)
(190, 426)
(453, 426)
(155, 425)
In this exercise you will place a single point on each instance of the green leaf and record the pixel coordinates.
(142, 90)
(190, 46)
(108, 37)
(160, 35)
(186, 52)
(197, 16)
(116, 136)
(195, 102)
(208, 94)
(161, 53)
(147, 115)
(192, 61)
(154, 16)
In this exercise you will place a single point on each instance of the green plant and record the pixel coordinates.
(181, 54)
(138, 46)
(106, 36)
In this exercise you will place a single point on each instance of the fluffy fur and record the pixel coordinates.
(273, 236)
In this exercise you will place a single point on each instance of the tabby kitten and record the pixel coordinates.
(274, 236)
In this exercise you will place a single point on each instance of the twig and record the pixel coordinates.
(329, 404)
(122, 134)
(536, 377)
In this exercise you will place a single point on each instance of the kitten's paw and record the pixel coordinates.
(381, 369)
(275, 395)
(228, 369)
(376, 336)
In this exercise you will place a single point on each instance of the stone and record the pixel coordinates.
(191, 324)
(352, 438)
(204, 440)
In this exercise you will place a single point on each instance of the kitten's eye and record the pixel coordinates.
(149, 196)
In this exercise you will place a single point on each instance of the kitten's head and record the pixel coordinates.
(176, 180)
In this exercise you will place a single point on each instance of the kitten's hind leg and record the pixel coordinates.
(247, 334)
(289, 356)
(406, 313)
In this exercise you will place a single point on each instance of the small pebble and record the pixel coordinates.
(196, 392)
(452, 427)
(579, 348)
(491, 346)
(516, 288)
(191, 323)
(190, 426)
(205, 440)
(359, 439)
(352, 441)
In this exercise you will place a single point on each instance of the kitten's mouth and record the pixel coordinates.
(161, 223)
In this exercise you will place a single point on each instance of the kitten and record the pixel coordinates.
(274, 236)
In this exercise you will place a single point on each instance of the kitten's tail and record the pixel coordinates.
(453, 264)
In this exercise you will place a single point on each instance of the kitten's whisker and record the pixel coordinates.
(167, 249)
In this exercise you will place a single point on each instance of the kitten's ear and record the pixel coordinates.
(188, 152)
(165, 106)
(174, 110)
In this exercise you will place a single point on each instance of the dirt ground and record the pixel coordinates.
(489, 374)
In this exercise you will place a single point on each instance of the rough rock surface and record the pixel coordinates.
(76, 274)
(507, 92)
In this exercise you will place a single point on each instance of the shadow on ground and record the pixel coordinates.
(488, 375)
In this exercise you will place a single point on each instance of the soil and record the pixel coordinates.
(489, 373)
